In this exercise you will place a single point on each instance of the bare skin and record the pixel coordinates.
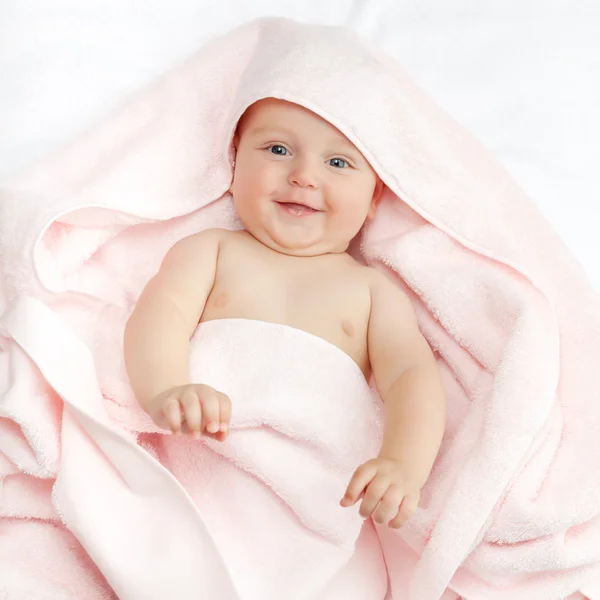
(324, 295)
(303, 192)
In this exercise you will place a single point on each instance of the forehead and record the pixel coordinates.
(272, 112)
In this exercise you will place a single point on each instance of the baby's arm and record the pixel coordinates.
(409, 383)
(166, 315)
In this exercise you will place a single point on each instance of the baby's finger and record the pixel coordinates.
(191, 410)
(388, 507)
(374, 493)
(210, 410)
(361, 478)
(172, 412)
(220, 436)
(406, 511)
(225, 412)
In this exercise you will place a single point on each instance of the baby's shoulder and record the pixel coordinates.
(205, 243)
(204, 240)
(369, 276)
(383, 288)
(206, 236)
(388, 294)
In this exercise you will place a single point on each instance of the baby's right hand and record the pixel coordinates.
(194, 408)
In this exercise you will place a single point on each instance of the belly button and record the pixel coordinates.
(348, 328)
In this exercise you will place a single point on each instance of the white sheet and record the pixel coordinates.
(523, 75)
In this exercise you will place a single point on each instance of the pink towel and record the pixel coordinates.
(96, 502)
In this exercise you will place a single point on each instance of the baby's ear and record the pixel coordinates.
(235, 143)
(377, 193)
(232, 157)
(233, 153)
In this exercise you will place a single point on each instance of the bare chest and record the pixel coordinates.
(331, 303)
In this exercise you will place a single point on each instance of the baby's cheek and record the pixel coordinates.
(354, 212)
(252, 185)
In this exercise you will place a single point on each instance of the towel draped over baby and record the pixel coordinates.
(96, 502)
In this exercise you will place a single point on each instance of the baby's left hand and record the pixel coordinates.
(387, 490)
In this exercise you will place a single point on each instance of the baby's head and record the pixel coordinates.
(300, 186)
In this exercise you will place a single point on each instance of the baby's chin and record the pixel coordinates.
(299, 245)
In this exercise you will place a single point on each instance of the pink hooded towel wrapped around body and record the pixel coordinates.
(96, 502)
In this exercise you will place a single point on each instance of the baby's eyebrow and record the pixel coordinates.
(265, 129)
(349, 147)
(347, 144)
(342, 140)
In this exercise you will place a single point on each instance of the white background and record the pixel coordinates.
(522, 75)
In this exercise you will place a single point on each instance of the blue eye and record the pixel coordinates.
(278, 150)
(339, 163)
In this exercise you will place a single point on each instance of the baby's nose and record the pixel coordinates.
(304, 175)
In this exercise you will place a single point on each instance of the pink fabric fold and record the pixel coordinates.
(100, 504)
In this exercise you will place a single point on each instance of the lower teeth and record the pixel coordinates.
(297, 209)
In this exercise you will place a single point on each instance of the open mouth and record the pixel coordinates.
(297, 210)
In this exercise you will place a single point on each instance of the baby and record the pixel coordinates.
(302, 191)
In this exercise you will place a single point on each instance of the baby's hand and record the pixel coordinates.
(387, 491)
(194, 408)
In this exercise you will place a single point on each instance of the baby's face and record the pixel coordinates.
(300, 186)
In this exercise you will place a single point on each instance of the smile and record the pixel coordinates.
(297, 210)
